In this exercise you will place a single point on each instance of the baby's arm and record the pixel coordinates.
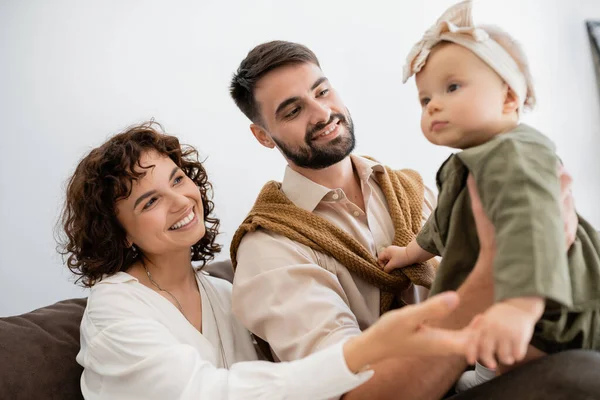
(504, 331)
(394, 257)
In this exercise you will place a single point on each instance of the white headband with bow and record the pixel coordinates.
(456, 25)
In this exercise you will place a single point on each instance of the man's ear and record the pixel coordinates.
(262, 136)
(511, 102)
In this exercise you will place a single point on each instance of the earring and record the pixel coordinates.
(134, 250)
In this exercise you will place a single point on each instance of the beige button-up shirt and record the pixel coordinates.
(300, 300)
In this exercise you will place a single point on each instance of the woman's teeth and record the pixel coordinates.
(184, 221)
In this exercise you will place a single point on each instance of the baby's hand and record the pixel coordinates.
(502, 334)
(393, 257)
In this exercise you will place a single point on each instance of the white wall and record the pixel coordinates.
(74, 72)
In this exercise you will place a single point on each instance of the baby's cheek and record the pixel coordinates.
(424, 124)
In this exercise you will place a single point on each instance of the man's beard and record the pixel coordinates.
(312, 156)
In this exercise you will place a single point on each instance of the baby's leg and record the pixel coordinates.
(533, 353)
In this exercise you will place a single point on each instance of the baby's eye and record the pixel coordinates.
(425, 101)
(453, 87)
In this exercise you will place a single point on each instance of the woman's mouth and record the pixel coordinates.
(185, 221)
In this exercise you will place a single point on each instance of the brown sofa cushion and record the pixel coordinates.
(220, 269)
(38, 349)
(37, 353)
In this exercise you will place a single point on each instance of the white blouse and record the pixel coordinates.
(135, 344)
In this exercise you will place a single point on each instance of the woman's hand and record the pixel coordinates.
(404, 332)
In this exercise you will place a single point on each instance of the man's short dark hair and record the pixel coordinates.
(259, 61)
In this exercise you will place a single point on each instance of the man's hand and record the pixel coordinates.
(484, 227)
(569, 215)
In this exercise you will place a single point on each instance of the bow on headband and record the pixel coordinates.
(456, 19)
(456, 25)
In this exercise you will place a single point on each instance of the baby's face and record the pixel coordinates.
(462, 98)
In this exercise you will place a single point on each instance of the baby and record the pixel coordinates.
(473, 84)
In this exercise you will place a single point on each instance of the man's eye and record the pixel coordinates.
(293, 113)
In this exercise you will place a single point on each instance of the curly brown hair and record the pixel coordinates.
(93, 242)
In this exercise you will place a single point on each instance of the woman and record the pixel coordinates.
(137, 214)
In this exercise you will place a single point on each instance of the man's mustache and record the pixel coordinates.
(311, 132)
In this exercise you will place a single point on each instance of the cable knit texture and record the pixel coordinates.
(404, 193)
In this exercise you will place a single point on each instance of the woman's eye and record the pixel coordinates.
(177, 180)
(149, 203)
(323, 92)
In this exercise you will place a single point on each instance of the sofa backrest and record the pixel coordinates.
(38, 349)
(37, 353)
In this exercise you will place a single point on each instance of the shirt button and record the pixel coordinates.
(335, 196)
(356, 213)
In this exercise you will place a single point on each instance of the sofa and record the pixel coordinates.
(38, 349)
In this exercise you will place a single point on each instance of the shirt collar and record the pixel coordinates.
(366, 167)
(307, 194)
(119, 277)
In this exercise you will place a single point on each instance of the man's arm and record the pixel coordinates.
(300, 308)
(431, 378)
